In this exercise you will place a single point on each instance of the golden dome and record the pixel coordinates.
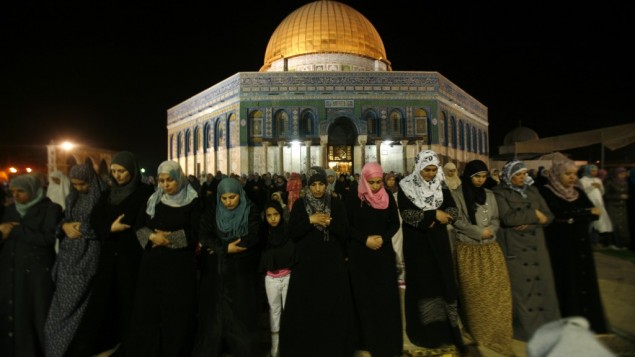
(325, 27)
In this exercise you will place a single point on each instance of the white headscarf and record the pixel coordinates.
(58, 192)
(426, 195)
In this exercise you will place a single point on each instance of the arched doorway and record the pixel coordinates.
(342, 135)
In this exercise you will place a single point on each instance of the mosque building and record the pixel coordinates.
(326, 95)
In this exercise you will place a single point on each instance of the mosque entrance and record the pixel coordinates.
(341, 143)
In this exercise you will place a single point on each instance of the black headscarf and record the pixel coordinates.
(129, 162)
(276, 235)
(473, 195)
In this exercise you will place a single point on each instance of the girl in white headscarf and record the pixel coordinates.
(431, 293)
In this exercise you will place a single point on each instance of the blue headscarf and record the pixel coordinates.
(185, 194)
(31, 185)
(233, 222)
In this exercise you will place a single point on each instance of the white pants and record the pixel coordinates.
(276, 289)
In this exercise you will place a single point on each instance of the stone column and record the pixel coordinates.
(378, 150)
(323, 144)
(265, 148)
(307, 144)
(362, 150)
(281, 157)
(404, 153)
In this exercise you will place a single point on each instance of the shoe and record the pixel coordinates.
(614, 247)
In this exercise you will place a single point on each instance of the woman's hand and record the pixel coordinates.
(320, 219)
(596, 211)
(374, 242)
(159, 238)
(71, 229)
(117, 226)
(542, 218)
(487, 233)
(233, 247)
(443, 217)
(6, 228)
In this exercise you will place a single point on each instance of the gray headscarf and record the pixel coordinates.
(32, 186)
(185, 194)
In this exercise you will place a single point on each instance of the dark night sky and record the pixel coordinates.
(106, 75)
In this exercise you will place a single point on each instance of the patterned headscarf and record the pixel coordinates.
(185, 192)
(510, 169)
(427, 195)
(32, 186)
(129, 162)
(557, 169)
(234, 222)
(311, 203)
(79, 205)
(379, 199)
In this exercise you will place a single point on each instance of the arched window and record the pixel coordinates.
(475, 144)
(481, 144)
(443, 129)
(421, 122)
(468, 137)
(255, 123)
(197, 139)
(396, 125)
(454, 133)
(282, 124)
(172, 146)
(307, 124)
(207, 137)
(188, 142)
(179, 147)
(461, 143)
(220, 133)
(372, 124)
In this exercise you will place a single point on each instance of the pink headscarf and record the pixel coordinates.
(379, 199)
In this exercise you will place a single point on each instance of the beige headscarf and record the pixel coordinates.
(452, 178)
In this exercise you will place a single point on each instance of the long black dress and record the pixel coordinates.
(318, 315)
(26, 285)
(431, 292)
(163, 321)
(374, 277)
(572, 259)
(107, 317)
(230, 291)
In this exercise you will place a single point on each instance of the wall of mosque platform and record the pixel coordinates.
(264, 122)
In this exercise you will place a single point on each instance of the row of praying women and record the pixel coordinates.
(157, 273)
